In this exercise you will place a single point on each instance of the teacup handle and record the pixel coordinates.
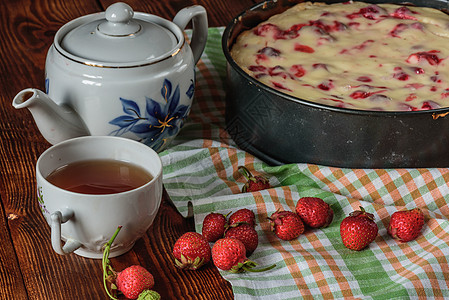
(57, 218)
(198, 15)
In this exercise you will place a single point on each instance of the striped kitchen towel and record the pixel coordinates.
(201, 166)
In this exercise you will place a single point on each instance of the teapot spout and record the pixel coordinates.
(55, 122)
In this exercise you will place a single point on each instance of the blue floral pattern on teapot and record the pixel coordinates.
(158, 121)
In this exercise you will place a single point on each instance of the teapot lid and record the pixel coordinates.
(117, 36)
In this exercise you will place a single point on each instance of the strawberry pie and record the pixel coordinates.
(353, 55)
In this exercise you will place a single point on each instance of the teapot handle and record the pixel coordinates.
(197, 14)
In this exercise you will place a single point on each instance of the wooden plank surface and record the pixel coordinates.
(29, 268)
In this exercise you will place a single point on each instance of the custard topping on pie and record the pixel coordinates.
(353, 55)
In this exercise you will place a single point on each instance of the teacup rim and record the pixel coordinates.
(74, 140)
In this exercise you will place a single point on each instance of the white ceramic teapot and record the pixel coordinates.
(119, 73)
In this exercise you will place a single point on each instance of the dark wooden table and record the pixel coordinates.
(29, 268)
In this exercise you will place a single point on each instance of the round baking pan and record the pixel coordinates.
(279, 128)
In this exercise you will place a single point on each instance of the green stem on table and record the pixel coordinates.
(107, 268)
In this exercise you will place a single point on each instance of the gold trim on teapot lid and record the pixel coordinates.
(121, 66)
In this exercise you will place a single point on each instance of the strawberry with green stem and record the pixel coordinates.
(229, 254)
(242, 215)
(358, 230)
(287, 225)
(133, 282)
(191, 251)
(254, 183)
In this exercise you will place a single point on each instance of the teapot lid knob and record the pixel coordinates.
(119, 21)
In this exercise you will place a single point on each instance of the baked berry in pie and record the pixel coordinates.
(353, 55)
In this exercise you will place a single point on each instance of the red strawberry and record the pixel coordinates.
(358, 230)
(254, 183)
(228, 254)
(286, 225)
(242, 215)
(214, 225)
(134, 280)
(314, 212)
(246, 234)
(406, 225)
(191, 251)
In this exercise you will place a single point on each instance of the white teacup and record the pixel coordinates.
(86, 221)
